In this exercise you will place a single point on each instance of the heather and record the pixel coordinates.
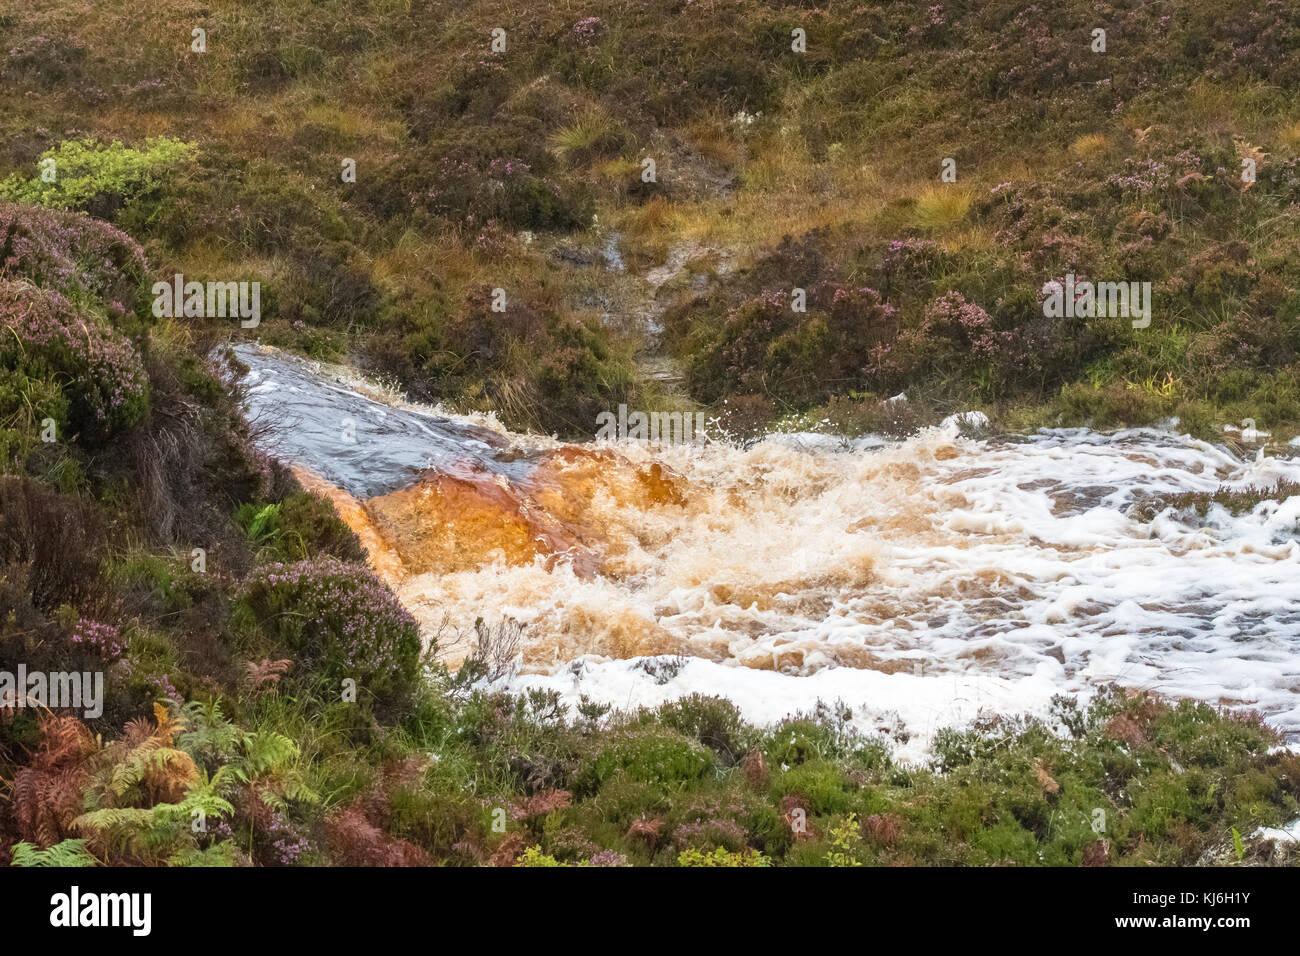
(124, 550)
(522, 171)
(337, 619)
(1233, 501)
(98, 369)
(80, 256)
(492, 780)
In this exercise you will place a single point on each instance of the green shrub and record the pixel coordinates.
(299, 527)
(826, 788)
(645, 754)
(533, 856)
(44, 335)
(338, 620)
(89, 175)
(820, 735)
(713, 721)
(722, 857)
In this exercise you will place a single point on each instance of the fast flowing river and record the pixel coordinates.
(920, 582)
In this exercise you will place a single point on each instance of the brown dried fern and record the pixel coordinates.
(264, 675)
(47, 792)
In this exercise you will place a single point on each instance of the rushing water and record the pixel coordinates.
(921, 582)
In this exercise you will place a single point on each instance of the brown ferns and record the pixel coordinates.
(47, 792)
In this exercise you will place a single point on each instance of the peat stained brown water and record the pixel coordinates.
(920, 582)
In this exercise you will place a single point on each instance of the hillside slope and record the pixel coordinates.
(521, 169)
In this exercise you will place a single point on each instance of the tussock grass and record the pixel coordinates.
(1089, 145)
(941, 207)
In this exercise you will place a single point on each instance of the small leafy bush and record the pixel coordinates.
(649, 755)
(722, 857)
(338, 620)
(533, 856)
(89, 175)
(45, 334)
(70, 253)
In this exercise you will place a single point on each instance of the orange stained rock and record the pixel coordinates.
(446, 523)
(383, 557)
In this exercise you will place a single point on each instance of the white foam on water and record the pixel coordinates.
(905, 709)
(918, 578)
(928, 579)
(1287, 834)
